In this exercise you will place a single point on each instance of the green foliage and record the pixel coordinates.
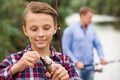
(108, 7)
(12, 38)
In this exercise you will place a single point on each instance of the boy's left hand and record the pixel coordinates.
(58, 72)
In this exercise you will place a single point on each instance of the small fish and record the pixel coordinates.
(47, 62)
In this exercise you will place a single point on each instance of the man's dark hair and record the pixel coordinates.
(84, 10)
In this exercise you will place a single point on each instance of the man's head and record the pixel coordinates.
(39, 24)
(86, 15)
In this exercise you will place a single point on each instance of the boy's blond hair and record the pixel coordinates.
(39, 7)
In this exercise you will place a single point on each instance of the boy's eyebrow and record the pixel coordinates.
(47, 25)
(33, 26)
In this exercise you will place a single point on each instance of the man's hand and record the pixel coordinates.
(79, 65)
(58, 72)
(27, 60)
(103, 62)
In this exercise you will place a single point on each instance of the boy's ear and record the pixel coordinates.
(55, 30)
(24, 30)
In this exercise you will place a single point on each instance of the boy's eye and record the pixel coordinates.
(33, 29)
(46, 28)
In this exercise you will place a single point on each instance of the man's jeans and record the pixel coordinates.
(86, 74)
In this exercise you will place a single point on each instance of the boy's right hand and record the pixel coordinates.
(27, 60)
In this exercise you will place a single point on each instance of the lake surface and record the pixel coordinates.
(110, 40)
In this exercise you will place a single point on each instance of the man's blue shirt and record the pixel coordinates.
(79, 44)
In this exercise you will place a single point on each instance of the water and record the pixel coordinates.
(110, 40)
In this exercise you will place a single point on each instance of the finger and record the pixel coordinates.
(48, 74)
(37, 54)
(26, 62)
(34, 55)
(55, 67)
(62, 74)
(58, 72)
(31, 60)
(29, 64)
(66, 77)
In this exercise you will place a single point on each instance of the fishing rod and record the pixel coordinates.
(59, 30)
(112, 61)
(101, 69)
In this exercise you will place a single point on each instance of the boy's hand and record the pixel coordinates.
(58, 72)
(27, 60)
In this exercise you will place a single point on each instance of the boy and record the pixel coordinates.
(39, 26)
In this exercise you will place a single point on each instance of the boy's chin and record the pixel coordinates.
(41, 46)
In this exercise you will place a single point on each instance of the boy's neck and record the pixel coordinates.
(43, 51)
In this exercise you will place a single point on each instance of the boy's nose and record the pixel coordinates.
(40, 32)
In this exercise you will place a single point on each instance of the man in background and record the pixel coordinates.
(79, 40)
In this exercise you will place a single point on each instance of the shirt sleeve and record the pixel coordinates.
(98, 46)
(71, 69)
(5, 66)
(67, 42)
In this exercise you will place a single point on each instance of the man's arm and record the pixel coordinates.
(67, 42)
(99, 48)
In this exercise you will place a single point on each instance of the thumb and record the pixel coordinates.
(48, 74)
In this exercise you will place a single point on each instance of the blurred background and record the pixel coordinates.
(106, 21)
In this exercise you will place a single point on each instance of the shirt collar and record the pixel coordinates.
(81, 26)
(52, 49)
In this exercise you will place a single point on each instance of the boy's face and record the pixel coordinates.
(39, 29)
